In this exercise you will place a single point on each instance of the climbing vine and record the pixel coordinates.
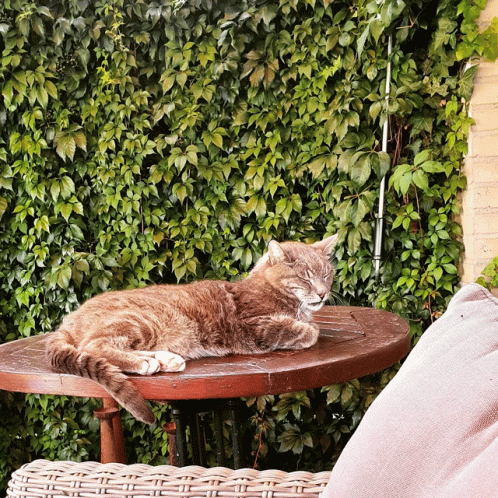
(148, 142)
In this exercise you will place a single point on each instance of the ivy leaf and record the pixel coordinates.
(421, 157)
(362, 40)
(292, 439)
(317, 166)
(333, 393)
(375, 109)
(8, 91)
(281, 206)
(347, 394)
(381, 163)
(359, 210)
(252, 203)
(464, 50)
(217, 140)
(296, 202)
(66, 187)
(420, 179)
(466, 82)
(181, 79)
(405, 183)
(421, 123)
(376, 29)
(55, 189)
(66, 210)
(80, 140)
(67, 140)
(191, 154)
(20, 77)
(167, 82)
(257, 75)
(433, 167)
(42, 96)
(65, 145)
(64, 277)
(214, 137)
(82, 265)
(361, 169)
(268, 13)
(3, 206)
(6, 183)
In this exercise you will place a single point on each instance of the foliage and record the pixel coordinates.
(158, 141)
(308, 429)
(489, 276)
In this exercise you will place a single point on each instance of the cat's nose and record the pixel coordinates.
(322, 295)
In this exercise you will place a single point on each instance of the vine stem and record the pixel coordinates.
(260, 445)
(260, 426)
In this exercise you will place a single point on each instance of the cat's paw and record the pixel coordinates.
(149, 366)
(170, 362)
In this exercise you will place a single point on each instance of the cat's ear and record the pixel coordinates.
(275, 253)
(326, 245)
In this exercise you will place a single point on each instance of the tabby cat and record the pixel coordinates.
(157, 328)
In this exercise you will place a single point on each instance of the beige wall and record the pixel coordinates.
(479, 214)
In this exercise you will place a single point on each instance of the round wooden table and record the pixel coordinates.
(353, 342)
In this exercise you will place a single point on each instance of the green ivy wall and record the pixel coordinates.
(149, 142)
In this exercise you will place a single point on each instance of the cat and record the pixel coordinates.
(157, 328)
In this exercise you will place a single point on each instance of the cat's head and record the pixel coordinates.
(303, 270)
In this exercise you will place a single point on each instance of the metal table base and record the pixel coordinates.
(191, 413)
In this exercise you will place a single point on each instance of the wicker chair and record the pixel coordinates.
(44, 479)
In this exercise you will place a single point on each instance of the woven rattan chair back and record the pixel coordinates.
(44, 479)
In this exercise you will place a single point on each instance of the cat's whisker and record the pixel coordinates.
(337, 299)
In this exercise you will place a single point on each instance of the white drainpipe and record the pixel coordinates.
(380, 214)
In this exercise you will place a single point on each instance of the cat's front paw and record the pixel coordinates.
(169, 362)
(307, 334)
(149, 366)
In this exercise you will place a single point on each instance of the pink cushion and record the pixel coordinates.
(433, 431)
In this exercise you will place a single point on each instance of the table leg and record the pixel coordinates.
(233, 409)
(197, 439)
(111, 432)
(181, 437)
(218, 433)
(117, 428)
(170, 429)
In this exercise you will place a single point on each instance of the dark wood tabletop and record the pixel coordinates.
(353, 342)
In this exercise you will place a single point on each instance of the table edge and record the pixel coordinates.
(257, 383)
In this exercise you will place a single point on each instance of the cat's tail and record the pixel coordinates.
(62, 355)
